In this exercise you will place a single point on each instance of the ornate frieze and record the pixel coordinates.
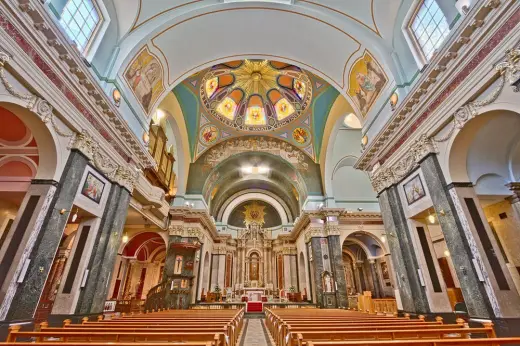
(313, 232)
(120, 174)
(388, 176)
(510, 68)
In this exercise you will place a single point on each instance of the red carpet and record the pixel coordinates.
(254, 307)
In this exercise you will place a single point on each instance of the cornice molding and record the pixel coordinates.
(190, 216)
(431, 82)
(399, 167)
(88, 98)
(385, 177)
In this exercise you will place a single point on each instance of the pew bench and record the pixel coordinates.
(216, 339)
(460, 342)
(302, 338)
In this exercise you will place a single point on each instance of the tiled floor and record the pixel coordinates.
(256, 335)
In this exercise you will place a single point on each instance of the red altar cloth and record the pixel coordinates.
(254, 306)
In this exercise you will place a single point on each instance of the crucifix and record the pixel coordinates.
(178, 265)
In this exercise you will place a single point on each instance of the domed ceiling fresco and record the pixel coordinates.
(255, 97)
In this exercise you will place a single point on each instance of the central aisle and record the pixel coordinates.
(255, 333)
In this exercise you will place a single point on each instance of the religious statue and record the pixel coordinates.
(327, 282)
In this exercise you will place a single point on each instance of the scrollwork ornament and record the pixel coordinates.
(511, 68)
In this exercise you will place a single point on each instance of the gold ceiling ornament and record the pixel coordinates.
(254, 214)
(256, 77)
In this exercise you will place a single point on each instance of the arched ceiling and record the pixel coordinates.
(185, 38)
(246, 97)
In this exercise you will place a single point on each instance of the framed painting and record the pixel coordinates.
(414, 189)
(93, 188)
(384, 271)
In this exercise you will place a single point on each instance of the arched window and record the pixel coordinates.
(81, 20)
(428, 28)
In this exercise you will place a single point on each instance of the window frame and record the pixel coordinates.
(95, 38)
(411, 38)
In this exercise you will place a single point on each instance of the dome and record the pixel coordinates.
(256, 95)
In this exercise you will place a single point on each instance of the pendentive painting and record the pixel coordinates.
(145, 78)
(366, 81)
(414, 189)
(93, 188)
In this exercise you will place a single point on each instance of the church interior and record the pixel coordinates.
(260, 172)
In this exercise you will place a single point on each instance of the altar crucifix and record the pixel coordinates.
(178, 265)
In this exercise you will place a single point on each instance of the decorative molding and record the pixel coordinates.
(510, 68)
(388, 176)
(119, 174)
(313, 232)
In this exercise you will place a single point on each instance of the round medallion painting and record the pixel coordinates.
(301, 135)
(209, 134)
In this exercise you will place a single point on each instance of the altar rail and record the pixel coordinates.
(217, 306)
(289, 306)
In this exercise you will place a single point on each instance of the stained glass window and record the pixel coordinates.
(430, 27)
(80, 19)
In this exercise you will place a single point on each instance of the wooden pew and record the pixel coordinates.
(209, 343)
(216, 339)
(303, 338)
(460, 342)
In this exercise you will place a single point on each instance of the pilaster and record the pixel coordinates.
(449, 211)
(405, 263)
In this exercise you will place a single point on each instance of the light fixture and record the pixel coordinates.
(158, 116)
(431, 217)
(383, 238)
(146, 137)
(75, 216)
(393, 101)
(254, 170)
(125, 238)
(364, 140)
(446, 253)
(116, 96)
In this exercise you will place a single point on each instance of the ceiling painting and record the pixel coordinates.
(144, 76)
(366, 81)
(255, 97)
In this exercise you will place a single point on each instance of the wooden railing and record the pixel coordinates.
(366, 303)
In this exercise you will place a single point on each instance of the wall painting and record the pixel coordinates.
(366, 81)
(144, 75)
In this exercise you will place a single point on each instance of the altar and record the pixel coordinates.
(254, 294)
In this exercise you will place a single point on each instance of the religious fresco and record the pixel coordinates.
(366, 81)
(144, 75)
(256, 95)
(301, 135)
(93, 188)
(209, 134)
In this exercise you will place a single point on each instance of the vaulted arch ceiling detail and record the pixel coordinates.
(265, 97)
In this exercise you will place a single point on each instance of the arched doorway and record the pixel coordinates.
(142, 260)
(485, 155)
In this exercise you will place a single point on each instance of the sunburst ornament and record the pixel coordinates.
(254, 213)
(256, 77)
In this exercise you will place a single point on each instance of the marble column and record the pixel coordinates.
(473, 290)
(93, 295)
(413, 294)
(317, 263)
(375, 279)
(515, 200)
(336, 262)
(25, 300)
